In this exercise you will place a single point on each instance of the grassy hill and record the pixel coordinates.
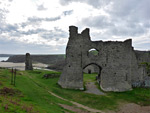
(6, 55)
(46, 59)
(35, 94)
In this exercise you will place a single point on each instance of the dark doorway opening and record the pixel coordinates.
(89, 71)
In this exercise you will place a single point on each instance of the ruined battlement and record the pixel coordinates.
(116, 60)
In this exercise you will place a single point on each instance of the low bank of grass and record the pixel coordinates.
(34, 89)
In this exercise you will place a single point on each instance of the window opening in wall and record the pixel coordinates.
(93, 52)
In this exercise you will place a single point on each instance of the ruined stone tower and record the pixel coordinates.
(28, 62)
(116, 60)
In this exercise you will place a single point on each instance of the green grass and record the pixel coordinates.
(32, 96)
(34, 90)
(90, 77)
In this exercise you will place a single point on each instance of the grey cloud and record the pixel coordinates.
(126, 18)
(97, 22)
(100, 36)
(147, 25)
(24, 24)
(4, 27)
(36, 19)
(13, 31)
(33, 31)
(130, 9)
(54, 34)
(126, 31)
(8, 28)
(141, 46)
(3, 12)
(47, 34)
(12, 46)
(120, 8)
(10, 0)
(69, 12)
(41, 7)
(94, 3)
(131, 17)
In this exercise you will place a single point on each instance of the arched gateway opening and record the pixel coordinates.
(92, 72)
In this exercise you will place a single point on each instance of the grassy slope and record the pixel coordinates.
(33, 86)
(33, 96)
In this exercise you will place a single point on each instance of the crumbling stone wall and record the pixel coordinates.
(28, 62)
(116, 59)
(142, 57)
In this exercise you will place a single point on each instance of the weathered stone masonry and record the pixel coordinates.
(28, 62)
(117, 61)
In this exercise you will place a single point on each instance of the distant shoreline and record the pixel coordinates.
(45, 59)
(3, 59)
(21, 66)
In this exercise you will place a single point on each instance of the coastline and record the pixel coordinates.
(21, 66)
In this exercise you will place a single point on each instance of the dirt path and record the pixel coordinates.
(92, 88)
(73, 108)
(134, 108)
(78, 105)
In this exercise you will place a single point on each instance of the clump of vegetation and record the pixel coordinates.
(9, 91)
(15, 105)
(147, 64)
(1, 83)
(51, 75)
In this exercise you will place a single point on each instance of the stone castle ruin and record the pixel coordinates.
(119, 64)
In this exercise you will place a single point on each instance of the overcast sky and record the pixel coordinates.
(41, 26)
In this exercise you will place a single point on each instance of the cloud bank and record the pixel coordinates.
(41, 26)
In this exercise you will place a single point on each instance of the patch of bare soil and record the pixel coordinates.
(134, 108)
(9, 91)
(74, 109)
(1, 83)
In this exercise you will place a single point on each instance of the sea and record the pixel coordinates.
(3, 58)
